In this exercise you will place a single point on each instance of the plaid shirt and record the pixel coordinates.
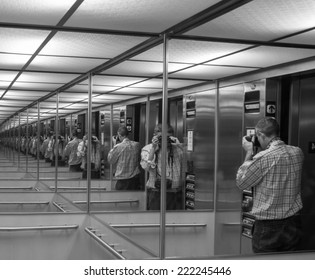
(275, 176)
(70, 151)
(126, 157)
(174, 169)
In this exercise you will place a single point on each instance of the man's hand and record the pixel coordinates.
(247, 145)
(114, 139)
(156, 142)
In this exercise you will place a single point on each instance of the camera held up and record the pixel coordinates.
(256, 145)
(169, 140)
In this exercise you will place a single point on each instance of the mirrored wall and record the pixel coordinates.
(36, 153)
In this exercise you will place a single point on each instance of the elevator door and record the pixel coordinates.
(306, 140)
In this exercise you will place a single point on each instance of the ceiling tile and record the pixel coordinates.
(13, 61)
(64, 64)
(142, 68)
(264, 57)
(46, 77)
(21, 41)
(89, 45)
(192, 52)
(261, 20)
(34, 11)
(208, 72)
(132, 15)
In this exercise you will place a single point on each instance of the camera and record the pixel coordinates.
(253, 138)
(256, 145)
(116, 137)
(169, 140)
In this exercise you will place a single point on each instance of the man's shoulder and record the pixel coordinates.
(135, 143)
(296, 150)
(281, 148)
(282, 144)
(178, 146)
(147, 147)
(73, 142)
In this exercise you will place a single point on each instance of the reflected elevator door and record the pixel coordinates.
(306, 133)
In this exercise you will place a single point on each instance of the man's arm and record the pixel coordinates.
(113, 154)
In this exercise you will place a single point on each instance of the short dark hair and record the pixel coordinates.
(123, 131)
(268, 126)
(158, 128)
(75, 133)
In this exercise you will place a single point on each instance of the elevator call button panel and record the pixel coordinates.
(190, 192)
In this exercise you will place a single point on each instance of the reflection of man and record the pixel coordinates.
(44, 147)
(125, 156)
(70, 152)
(94, 154)
(275, 176)
(151, 162)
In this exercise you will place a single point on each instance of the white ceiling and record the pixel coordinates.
(52, 46)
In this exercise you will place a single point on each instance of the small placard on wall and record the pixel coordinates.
(311, 147)
(102, 138)
(190, 113)
(250, 131)
(271, 109)
(190, 140)
(252, 107)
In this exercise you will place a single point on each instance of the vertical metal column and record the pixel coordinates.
(27, 136)
(89, 146)
(20, 141)
(9, 137)
(55, 150)
(15, 136)
(6, 138)
(147, 120)
(164, 147)
(216, 147)
(38, 137)
(70, 126)
(111, 133)
(13, 140)
(147, 141)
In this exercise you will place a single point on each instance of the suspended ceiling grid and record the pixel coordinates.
(51, 46)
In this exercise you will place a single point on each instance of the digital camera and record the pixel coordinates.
(169, 139)
(256, 144)
(116, 137)
(253, 138)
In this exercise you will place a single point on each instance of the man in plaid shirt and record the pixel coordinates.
(125, 156)
(70, 152)
(274, 174)
(151, 161)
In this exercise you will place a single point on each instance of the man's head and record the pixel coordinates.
(158, 130)
(122, 132)
(157, 133)
(75, 133)
(267, 129)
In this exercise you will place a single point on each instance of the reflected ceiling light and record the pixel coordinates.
(14, 60)
(7, 76)
(21, 41)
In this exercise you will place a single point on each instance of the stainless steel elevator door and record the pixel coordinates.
(306, 136)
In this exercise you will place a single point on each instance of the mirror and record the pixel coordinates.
(62, 114)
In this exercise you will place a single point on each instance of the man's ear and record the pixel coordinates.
(263, 136)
